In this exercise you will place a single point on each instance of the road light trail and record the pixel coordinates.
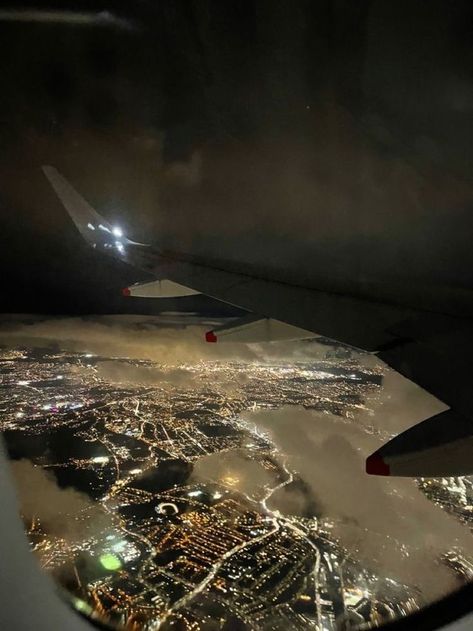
(185, 600)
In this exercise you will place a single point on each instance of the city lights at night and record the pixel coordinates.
(186, 506)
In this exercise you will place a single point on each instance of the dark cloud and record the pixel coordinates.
(63, 512)
(267, 134)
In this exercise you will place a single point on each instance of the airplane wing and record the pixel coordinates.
(421, 345)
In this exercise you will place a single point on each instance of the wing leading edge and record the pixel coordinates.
(375, 326)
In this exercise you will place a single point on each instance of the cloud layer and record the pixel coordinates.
(386, 523)
(166, 341)
(64, 513)
(122, 372)
(234, 469)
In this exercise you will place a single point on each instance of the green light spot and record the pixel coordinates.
(82, 606)
(110, 562)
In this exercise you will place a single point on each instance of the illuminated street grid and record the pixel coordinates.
(176, 552)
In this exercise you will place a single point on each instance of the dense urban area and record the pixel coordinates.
(150, 541)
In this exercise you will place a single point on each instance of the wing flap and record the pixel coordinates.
(158, 289)
(252, 328)
(439, 446)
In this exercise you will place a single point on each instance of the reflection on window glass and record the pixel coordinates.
(277, 202)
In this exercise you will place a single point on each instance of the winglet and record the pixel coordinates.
(86, 219)
(92, 226)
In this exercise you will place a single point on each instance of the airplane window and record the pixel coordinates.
(235, 332)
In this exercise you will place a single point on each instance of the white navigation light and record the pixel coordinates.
(117, 232)
(90, 226)
(104, 228)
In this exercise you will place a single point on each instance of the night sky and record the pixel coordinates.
(321, 136)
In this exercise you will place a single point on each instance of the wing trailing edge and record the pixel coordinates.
(439, 446)
(253, 328)
(158, 289)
